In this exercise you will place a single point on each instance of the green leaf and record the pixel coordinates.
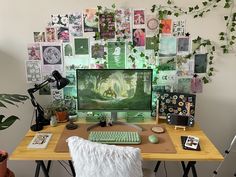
(204, 3)
(205, 80)
(142, 54)
(225, 50)
(4, 124)
(153, 8)
(213, 48)
(227, 5)
(113, 6)
(210, 74)
(190, 9)
(211, 69)
(169, 2)
(226, 17)
(233, 37)
(222, 38)
(195, 16)
(134, 50)
(232, 29)
(196, 7)
(210, 63)
(169, 12)
(99, 8)
(231, 42)
(176, 14)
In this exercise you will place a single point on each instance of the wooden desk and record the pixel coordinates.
(208, 150)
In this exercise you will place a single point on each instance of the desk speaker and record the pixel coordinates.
(181, 120)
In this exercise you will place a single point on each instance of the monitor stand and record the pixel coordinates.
(115, 122)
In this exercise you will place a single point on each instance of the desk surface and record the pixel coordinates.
(208, 150)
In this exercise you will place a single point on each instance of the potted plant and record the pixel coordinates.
(102, 120)
(6, 122)
(59, 109)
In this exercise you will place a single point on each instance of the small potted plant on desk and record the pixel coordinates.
(102, 120)
(59, 109)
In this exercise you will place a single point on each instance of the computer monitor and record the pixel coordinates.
(114, 90)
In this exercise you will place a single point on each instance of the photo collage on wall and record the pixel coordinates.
(68, 43)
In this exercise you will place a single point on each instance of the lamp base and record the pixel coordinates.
(36, 127)
(44, 121)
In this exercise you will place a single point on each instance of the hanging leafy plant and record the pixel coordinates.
(10, 99)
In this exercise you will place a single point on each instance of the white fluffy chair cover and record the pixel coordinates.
(100, 160)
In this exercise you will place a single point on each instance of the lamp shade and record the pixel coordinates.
(61, 82)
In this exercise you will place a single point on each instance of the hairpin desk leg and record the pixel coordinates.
(190, 165)
(72, 168)
(157, 166)
(45, 169)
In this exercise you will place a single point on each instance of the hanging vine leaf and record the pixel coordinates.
(4, 124)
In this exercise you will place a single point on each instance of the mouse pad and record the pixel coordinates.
(183, 140)
(165, 144)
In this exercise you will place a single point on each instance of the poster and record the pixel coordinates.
(139, 37)
(152, 25)
(39, 36)
(59, 20)
(50, 34)
(166, 26)
(81, 46)
(76, 62)
(34, 51)
(167, 47)
(90, 23)
(151, 43)
(183, 45)
(116, 55)
(51, 54)
(76, 18)
(167, 63)
(107, 26)
(63, 34)
(200, 65)
(152, 58)
(178, 28)
(71, 77)
(97, 50)
(67, 49)
(70, 93)
(184, 85)
(33, 71)
(123, 24)
(76, 30)
(138, 18)
(186, 69)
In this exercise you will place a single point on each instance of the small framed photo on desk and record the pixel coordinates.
(40, 140)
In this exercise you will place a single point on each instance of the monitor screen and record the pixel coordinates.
(114, 89)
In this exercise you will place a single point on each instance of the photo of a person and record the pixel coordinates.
(90, 23)
(139, 17)
(139, 37)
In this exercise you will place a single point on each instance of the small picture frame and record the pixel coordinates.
(40, 140)
(192, 142)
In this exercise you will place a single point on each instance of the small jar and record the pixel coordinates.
(53, 121)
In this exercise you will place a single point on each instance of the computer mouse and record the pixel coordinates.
(153, 139)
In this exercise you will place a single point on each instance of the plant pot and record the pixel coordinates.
(62, 116)
(4, 171)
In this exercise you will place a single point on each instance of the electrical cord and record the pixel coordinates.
(65, 167)
(165, 168)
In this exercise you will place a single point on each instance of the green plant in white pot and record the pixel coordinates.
(6, 122)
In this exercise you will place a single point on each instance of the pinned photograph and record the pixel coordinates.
(107, 26)
(76, 18)
(167, 78)
(81, 46)
(200, 65)
(167, 46)
(71, 77)
(90, 22)
(152, 25)
(138, 18)
(76, 62)
(186, 69)
(167, 63)
(116, 55)
(57, 94)
(166, 26)
(39, 36)
(67, 49)
(63, 34)
(46, 90)
(34, 51)
(152, 58)
(192, 142)
(184, 85)
(70, 93)
(50, 34)
(76, 30)
(51, 54)
(123, 24)
(151, 43)
(33, 71)
(59, 20)
(139, 37)
(97, 51)
(178, 28)
(183, 45)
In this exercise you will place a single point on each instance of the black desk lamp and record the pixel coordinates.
(39, 112)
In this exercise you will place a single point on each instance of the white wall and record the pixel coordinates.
(216, 106)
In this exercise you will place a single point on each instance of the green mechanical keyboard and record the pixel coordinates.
(115, 137)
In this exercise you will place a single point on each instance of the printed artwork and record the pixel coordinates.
(178, 28)
(76, 62)
(184, 85)
(67, 49)
(152, 25)
(81, 46)
(76, 30)
(151, 43)
(166, 26)
(57, 94)
(70, 93)
(152, 58)
(200, 63)
(186, 69)
(46, 90)
(123, 26)
(71, 77)
(97, 51)
(34, 51)
(107, 26)
(138, 18)
(59, 20)
(139, 37)
(75, 18)
(63, 34)
(167, 46)
(167, 63)
(50, 34)
(39, 36)
(33, 71)
(90, 23)
(51, 54)
(116, 55)
(183, 45)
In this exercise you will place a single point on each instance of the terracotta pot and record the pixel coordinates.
(62, 116)
(3, 168)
